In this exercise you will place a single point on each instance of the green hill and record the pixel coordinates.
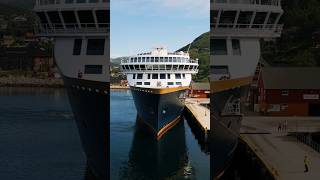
(200, 48)
(300, 40)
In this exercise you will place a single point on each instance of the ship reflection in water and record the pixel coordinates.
(135, 154)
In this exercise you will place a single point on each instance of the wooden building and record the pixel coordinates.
(200, 90)
(288, 91)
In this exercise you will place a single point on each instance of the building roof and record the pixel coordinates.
(200, 86)
(291, 77)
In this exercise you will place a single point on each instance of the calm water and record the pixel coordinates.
(135, 155)
(38, 136)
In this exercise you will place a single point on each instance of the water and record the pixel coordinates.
(136, 155)
(38, 136)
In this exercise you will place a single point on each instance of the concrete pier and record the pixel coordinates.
(200, 112)
(283, 155)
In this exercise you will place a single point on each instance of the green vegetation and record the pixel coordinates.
(299, 44)
(200, 48)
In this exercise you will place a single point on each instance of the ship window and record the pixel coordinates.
(169, 76)
(227, 18)
(77, 46)
(42, 17)
(69, 19)
(154, 76)
(131, 67)
(170, 83)
(81, 1)
(170, 59)
(259, 19)
(86, 18)
(143, 59)
(178, 83)
(161, 59)
(166, 59)
(162, 67)
(95, 46)
(136, 67)
(93, 1)
(219, 70)
(219, 47)
(149, 67)
(168, 67)
(139, 76)
(178, 76)
(174, 59)
(147, 83)
(123, 67)
(55, 19)
(175, 67)
(244, 19)
(149, 76)
(186, 67)
(148, 59)
(152, 59)
(134, 76)
(139, 83)
(156, 59)
(142, 67)
(135, 59)
(236, 47)
(139, 59)
(162, 76)
(181, 67)
(69, 1)
(93, 69)
(183, 76)
(127, 67)
(155, 67)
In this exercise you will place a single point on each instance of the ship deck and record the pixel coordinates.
(283, 155)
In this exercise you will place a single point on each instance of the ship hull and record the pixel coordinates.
(160, 111)
(226, 128)
(90, 104)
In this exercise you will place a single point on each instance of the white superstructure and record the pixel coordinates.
(236, 29)
(80, 29)
(160, 69)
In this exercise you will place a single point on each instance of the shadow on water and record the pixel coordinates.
(150, 158)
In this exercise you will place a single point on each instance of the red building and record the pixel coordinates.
(200, 90)
(288, 91)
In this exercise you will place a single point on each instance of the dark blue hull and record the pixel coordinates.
(91, 108)
(158, 111)
(226, 127)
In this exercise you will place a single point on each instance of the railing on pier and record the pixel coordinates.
(253, 2)
(72, 28)
(308, 141)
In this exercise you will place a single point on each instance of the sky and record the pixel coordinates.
(140, 25)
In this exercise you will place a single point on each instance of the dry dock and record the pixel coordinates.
(283, 155)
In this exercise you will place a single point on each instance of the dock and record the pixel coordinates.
(198, 113)
(282, 154)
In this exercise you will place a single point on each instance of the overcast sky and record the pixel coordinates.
(140, 25)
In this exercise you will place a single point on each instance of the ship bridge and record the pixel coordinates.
(246, 18)
(72, 17)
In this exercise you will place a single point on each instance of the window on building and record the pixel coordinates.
(170, 83)
(93, 69)
(154, 76)
(178, 76)
(139, 76)
(134, 76)
(77, 47)
(236, 50)
(219, 47)
(284, 92)
(147, 83)
(162, 76)
(95, 46)
(178, 83)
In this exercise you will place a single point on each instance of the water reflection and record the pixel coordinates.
(150, 158)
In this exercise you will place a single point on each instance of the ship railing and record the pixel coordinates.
(160, 70)
(191, 61)
(64, 2)
(232, 107)
(253, 2)
(72, 28)
(274, 27)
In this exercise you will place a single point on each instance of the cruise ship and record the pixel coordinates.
(158, 81)
(236, 28)
(80, 32)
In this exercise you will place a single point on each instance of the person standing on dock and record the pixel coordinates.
(306, 164)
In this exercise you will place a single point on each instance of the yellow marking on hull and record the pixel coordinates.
(218, 86)
(160, 91)
(167, 127)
